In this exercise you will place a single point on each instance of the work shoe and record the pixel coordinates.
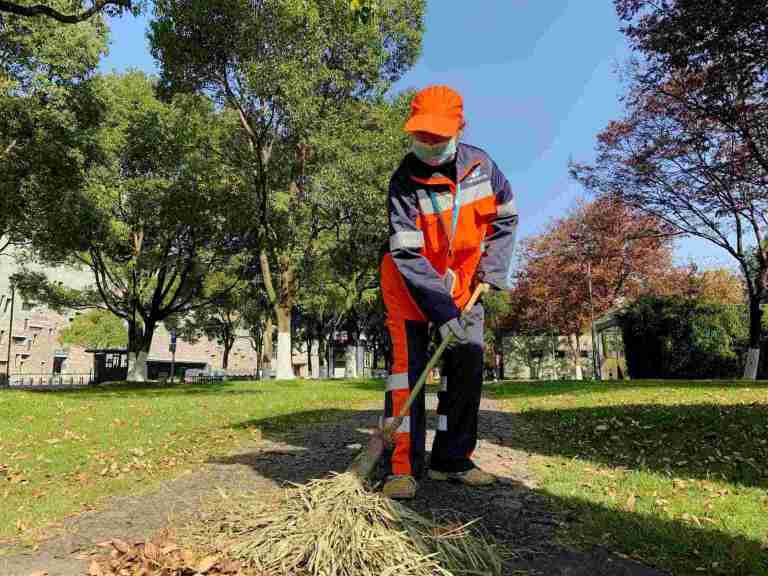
(400, 487)
(472, 477)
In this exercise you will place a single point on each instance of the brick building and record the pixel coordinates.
(35, 347)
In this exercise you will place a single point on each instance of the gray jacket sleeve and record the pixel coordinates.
(495, 266)
(428, 289)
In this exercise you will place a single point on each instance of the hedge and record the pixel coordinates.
(678, 337)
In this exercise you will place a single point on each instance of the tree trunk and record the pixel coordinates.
(282, 304)
(259, 359)
(138, 349)
(284, 359)
(322, 358)
(267, 347)
(755, 328)
(227, 350)
(350, 358)
(500, 356)
(576, 357)
(314, 353)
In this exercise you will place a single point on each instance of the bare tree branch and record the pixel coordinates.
(49, 12)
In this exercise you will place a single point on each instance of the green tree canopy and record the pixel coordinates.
(287, 68)
(163, 212)
(95, 329)
(47, 120)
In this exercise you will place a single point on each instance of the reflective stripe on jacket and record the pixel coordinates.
(437, 261)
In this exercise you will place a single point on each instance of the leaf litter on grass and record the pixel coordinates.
(161, 556)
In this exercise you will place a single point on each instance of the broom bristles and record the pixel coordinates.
(336, 527)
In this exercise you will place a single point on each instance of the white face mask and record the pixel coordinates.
(435, 154)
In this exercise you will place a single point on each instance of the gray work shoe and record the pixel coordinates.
(400, 487)
(472, 477)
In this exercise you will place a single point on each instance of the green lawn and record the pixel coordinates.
(62, 452)
(674, 473)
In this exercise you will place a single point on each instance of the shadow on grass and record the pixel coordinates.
(276, 428)
(675, 545)
(705, 441)
(314, 443)
(535, 389)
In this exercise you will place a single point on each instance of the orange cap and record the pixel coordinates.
(437, 110)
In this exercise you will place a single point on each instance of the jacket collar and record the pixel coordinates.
(425, 174)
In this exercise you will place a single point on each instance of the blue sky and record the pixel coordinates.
(538, 79)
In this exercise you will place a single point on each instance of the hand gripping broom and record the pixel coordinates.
(365, 462)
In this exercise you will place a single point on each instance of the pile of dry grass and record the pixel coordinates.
(336, 527)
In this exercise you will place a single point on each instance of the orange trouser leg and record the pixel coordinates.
(407, 328)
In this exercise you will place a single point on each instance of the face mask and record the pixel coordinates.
(435, 154)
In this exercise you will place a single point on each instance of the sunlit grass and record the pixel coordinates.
(673, 473)
(62, 452)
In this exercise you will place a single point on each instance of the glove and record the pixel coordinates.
(458, 328)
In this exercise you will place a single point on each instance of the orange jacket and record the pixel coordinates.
(444, 232)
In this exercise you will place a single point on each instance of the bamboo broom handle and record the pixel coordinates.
(395, 424)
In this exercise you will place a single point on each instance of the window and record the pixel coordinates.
(112, 360)
(26, 305)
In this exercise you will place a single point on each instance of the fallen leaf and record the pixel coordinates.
(168, 548)
(229, 567)
(39, 573)
(207, 563)
(631, 502)
(151, 552)
(121, 545)
(94, 569)
(189, 557)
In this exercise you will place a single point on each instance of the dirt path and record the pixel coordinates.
(512, 510)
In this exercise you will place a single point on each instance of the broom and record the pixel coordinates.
(336, 527)
(365, 462)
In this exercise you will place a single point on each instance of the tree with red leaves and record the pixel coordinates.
(692, 149)
(605, 246)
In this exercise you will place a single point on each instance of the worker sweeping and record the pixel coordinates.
(452, 225)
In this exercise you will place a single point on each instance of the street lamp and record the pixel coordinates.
(10, 335)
